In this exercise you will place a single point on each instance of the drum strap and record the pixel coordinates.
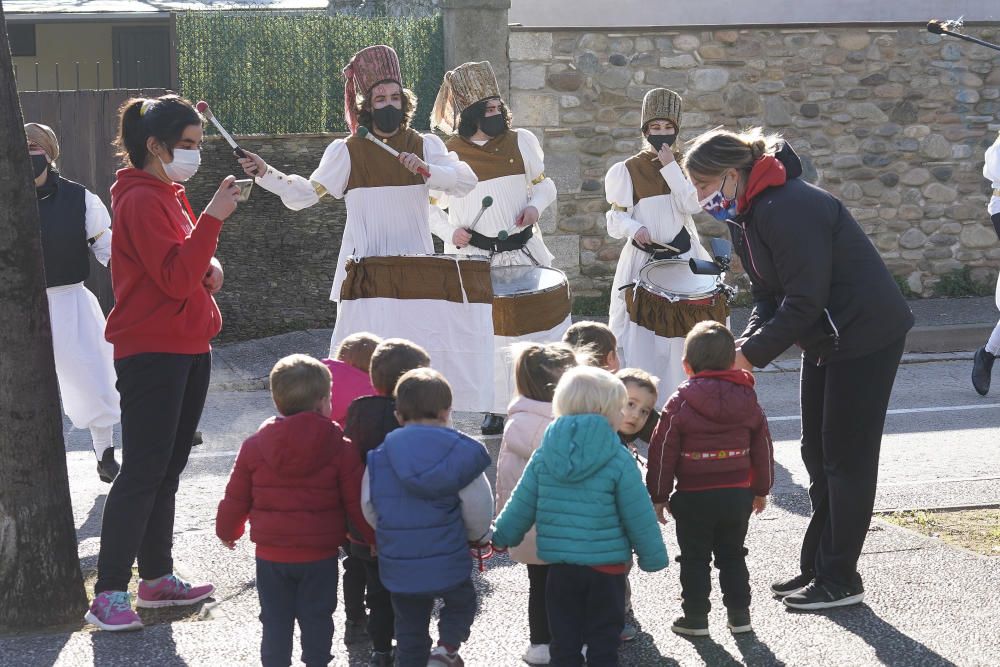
(682, 242)
(495, 245)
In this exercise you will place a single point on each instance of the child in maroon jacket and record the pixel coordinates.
(369, 420)
(298, 480)
(713, 437)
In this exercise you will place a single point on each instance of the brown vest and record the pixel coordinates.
(498, 157)
(647, 181)
(374, 167)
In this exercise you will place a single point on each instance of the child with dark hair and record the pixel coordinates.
(713, 437)
(537, 369)
(369, 420)
(297, 480)
(164, 274)
(597, 342)
(427, 496)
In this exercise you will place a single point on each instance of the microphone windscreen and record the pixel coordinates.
(935, 27)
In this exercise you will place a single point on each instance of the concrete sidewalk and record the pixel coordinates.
(945, 329)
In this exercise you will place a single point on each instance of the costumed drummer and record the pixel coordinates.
(652, 202)
(387, 212)
(510, 166)
(982, 365)
(74, 223)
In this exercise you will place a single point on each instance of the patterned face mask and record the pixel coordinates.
(718, 206)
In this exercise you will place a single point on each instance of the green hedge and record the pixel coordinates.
(268, 73)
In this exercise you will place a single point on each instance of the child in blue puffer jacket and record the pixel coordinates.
(585, 496)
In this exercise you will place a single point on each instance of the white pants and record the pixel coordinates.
(84, 359)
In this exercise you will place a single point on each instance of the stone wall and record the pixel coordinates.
(278, 263)
(894, 121)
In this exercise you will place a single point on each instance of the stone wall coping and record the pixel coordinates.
(788, 28)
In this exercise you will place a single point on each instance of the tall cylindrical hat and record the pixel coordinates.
(462, 87)
(369, 66)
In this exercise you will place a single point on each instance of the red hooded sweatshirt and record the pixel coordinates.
(712, 434)
(298, 480)
(159, 257)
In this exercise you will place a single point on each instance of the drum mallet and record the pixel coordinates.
(365, 134)
(487, 202)
(205, 111)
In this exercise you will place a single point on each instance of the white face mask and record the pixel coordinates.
(184, 166)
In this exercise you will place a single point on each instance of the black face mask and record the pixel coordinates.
(493, 125)
(658, 140)
(39, 163)
(388, 118)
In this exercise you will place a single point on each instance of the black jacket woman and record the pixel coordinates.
(817, 281)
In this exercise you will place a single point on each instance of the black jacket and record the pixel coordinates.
(817, 281)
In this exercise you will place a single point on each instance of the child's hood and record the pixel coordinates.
(431, 461)
(297, 446)
(577, 446)
(724, 397)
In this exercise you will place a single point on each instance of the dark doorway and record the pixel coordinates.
(142, 57)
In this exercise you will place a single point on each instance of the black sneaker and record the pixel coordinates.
(107, 467)
(492, 424)
(739, 621)
(692, 626)
(789, 586)
(822, 595)
(355, 632)
(382, 659)
(982, 369)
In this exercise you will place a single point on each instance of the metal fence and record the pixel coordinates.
(272, 73)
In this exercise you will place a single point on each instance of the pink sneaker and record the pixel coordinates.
(112, 611)
(171, 591)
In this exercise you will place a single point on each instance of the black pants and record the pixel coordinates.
(162, 396)
(413, 615)
(381, 618)
(712, 522)
(306, 592)
(585, 607)
(843, 413)
(538, 615)
(354, 588)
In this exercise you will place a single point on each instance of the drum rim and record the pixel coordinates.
(641, 282)
(563, 285)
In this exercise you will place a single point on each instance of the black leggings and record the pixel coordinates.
(843, 413)
(538, 619)
(162, 396)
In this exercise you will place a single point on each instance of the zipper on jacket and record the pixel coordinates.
(836, 335)
(746, 243)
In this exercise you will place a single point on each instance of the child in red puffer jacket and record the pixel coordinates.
(713, 437)
(298, 480)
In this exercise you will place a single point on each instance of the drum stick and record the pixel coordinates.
(205, 111)
(487, 202)
(365, 134)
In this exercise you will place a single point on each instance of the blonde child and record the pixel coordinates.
(583, 492)
(537, 369)
(596, 341)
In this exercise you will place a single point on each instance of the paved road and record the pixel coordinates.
(927, 603)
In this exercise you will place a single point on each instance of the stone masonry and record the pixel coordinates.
(893, 121)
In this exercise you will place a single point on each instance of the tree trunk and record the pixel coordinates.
(40, 575)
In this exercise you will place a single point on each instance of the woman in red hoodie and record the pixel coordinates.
(164, 274)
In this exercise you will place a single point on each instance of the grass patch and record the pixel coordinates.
(974, 529)
(592, 305)
(904, 288)
(960, 283)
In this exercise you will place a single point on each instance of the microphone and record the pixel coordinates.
(487, 202)
(936, 26)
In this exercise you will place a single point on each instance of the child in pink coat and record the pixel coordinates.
(350, 371)
(537, 369)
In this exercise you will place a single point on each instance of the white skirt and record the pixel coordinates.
(457, 336)
(84, 359)
(503, 361)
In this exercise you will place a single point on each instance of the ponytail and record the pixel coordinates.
(717, 150)
(164, 118)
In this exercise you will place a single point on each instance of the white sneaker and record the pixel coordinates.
(536, 654)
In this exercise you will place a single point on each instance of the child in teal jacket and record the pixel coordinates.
(585, 496)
